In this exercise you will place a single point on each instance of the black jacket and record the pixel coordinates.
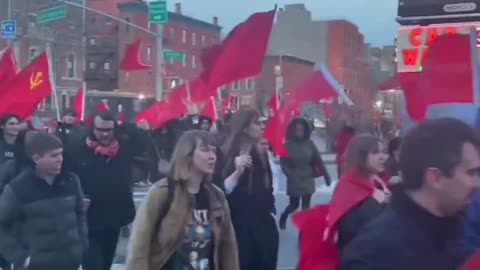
(353, 221)
(9, 152)
(108, 183)
(44, 222)
(404, 236)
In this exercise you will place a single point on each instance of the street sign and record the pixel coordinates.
(157, 11)
(51, 14)
(173, 55)
(8, 29)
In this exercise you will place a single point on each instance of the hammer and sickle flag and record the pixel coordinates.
(23, 93)
(36, 79)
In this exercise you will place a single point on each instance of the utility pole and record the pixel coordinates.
(159, 75)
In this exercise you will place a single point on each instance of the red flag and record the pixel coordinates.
(448, 65)
(79, 104)
(157, 115)
(473, 263)
(415, 102)
(190, 96)
(318, 86)
(241, 54)
(131, 60)
(317, 226)
(23, 93)
(8, 66)
(274, 102)
(227, 105)
(210, 110)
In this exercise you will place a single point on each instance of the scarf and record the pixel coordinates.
(109, 151)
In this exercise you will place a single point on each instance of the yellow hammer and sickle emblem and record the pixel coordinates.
(36, 79)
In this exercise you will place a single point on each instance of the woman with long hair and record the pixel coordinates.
(248, 184)
(184, 222)
(359, 197)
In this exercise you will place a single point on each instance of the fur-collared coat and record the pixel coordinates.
(150, 246)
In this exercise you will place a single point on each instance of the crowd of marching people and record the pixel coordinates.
(66, 195)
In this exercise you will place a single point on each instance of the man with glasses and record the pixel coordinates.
(102, 161)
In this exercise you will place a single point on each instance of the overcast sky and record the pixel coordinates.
(376, 18)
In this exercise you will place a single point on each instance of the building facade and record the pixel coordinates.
(337, 43)
(182, 34)
(282, 72)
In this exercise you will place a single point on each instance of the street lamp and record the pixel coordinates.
(141, 96)
(379, 104)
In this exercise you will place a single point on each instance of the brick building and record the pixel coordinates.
(293, 70)
(181, 34)
(63, 36)
(337, 43)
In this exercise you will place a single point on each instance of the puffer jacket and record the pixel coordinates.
(44, 222)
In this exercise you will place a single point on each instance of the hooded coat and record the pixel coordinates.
(298, 165)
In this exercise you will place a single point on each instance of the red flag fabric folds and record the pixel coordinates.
(317, 226)
(210, 110)
(319, 85)
(447, 75)
(25, 91)
(274, 102)
(131, 59)
(79, 104)
(8, 66)
(241, 54)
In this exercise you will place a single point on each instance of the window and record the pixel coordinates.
(250, 84)
(92, 65)
(194, 61)
(93, 19)
(172, 33)
(236, 85)
(127, 26)
(149, 53)
(108, 20)
(204, 41)
(64, 101)
(194, 39)
(92, 41)
(234, 103)
(106, 65)
(184, 36)
(184, 62)
(70, 65)
(33, 52)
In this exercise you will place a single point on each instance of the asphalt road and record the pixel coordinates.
(288, 256)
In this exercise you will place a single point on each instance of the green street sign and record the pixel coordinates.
(173, 55)
(51, 14)
(157, 11)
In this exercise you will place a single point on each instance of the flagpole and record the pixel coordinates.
(52, 80)
(84, 62)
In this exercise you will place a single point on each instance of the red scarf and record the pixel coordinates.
(109, 151)
(317, 226)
